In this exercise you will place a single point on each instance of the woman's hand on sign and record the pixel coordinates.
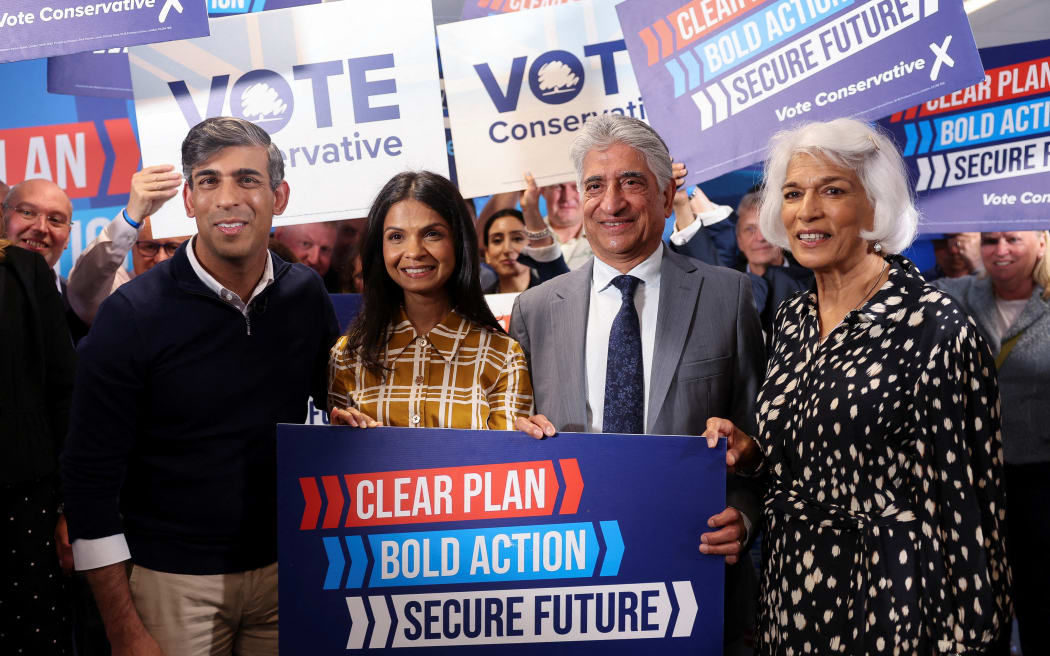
(351, 417)
(536, 426)
(729, 539)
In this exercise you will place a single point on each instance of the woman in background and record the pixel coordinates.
(1009, 304)
(425, 351)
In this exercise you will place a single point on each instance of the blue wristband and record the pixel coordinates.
(134, 224)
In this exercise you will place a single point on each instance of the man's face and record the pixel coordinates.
(312, 243)
(757, 251)
(563, 204)
(149, 252)
(957, 254)
(624, 208)
(233, 204)
(38, 218)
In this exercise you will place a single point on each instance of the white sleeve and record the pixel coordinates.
(92, 554)
(544, 253)
(709, 218)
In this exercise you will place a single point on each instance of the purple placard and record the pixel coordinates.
(107, 74)
(720, 78)
(980, 157)
(30, 29)
(479, 8)
(101, 74)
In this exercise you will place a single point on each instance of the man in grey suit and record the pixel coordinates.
(687, 348)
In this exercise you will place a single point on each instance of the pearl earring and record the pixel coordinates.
(877, 248)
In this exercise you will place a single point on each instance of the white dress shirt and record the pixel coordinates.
(99, 552)
(604, 305)
(703, 220)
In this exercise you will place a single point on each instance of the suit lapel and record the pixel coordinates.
(569, 308)
(680, 283)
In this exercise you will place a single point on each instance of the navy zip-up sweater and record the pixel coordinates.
(173, 425)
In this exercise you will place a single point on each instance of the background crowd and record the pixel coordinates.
(886, 427)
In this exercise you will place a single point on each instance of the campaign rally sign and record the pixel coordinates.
(402, 538)
(719, 77)
(30, 29)
(479, 8)
(87, 146)
(107, 73)
(102, 73)
(980, 157)
(520, 86)
(348, 91)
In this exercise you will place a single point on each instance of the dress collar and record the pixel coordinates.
(445, 337)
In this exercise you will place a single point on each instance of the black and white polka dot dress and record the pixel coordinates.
(885, 504)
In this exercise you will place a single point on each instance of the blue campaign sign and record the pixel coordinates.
(719, 78)
(980, 157)
(407, 538)
(107, 73)
(30, 29)
(217, 8)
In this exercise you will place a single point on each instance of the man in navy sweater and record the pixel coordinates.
(170, 465)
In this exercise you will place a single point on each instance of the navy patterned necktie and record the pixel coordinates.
(624, 379)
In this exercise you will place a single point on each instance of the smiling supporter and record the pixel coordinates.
(170, 465)
(425, 350)
(1010, 303)
(878, 426)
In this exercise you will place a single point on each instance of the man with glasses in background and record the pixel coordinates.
(37, 216)
(99, 270)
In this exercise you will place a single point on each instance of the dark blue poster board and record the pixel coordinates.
(424, 538)
(980, 157)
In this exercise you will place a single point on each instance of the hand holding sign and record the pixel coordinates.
(150, 189)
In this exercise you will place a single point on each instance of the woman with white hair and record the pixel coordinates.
(1010, 303)
(878, 424)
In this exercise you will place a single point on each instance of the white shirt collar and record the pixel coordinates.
(227, 295)
(648, 271)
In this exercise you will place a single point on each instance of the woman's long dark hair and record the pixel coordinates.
(369, 332)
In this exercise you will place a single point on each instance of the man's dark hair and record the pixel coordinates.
(369, 332)
(507, 211)
(213, 134)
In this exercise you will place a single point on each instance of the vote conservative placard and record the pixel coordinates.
(107, 74)
(402, 538)
(349, 93)
(520, 85)
(720, 77)
(30, 29)
(980, 157)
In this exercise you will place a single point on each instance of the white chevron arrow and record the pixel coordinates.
(358, 623)
(683, 592)
(381, 629)
(940, 171)
(924, 174)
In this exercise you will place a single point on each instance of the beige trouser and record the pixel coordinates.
(209, 615)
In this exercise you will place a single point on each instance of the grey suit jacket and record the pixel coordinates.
(708, 360)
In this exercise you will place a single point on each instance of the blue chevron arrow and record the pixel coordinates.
(913, 139)
(358, 561)
(336, 563)
(613, 548)
(678, 75)
(692, 67)
(927, 136)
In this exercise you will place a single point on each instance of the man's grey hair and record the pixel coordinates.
(601, 132)
(212, 135)
(749, 202)
(853, 145)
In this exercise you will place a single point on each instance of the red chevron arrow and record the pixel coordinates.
(312, 510)
(570, 471)
(334, 492)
